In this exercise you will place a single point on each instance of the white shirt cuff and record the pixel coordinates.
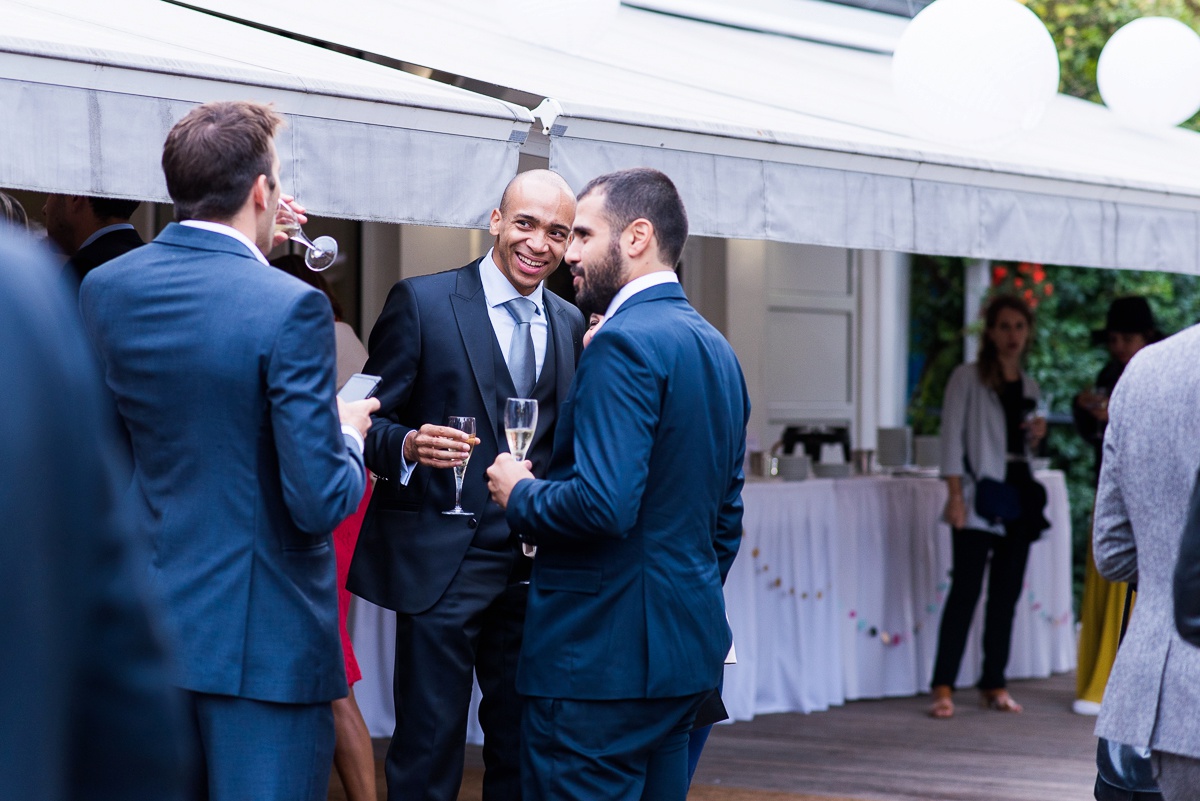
(406, 469)
(352, 432)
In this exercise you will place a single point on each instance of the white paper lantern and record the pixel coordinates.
(1149, 73)
(976, 73)
(559, 24)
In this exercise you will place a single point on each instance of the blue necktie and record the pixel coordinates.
(522, 364)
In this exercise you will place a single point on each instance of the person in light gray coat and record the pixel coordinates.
(1153, 694)
(985, 435)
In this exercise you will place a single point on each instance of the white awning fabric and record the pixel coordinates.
(775, 136)
(89, 91)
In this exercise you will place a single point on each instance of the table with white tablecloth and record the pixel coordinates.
(838, 590)
(836, 594)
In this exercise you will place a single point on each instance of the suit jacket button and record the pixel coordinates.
(472, 523)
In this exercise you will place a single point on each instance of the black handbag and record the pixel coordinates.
(1124, 772)
(996, 501)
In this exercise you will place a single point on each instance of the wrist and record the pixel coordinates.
(408, 449)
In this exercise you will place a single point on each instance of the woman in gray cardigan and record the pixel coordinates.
(985, 436)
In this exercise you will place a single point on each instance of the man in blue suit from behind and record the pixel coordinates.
(222, 368)
(638, 520)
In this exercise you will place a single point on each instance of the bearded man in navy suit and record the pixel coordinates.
(223, 372)
(638, 520)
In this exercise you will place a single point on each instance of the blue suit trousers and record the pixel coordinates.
(261, 750)
(624, 750)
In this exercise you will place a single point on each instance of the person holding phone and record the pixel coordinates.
(222, 369)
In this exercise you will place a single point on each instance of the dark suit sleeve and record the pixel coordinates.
(322, 478)
(394, 355)
(1187, 574)
(728, 535)
(617, 404)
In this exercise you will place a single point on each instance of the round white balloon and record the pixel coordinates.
(1149, 73)
(559, 24)
(976, 73)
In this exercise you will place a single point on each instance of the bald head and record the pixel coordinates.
(539, 181)
(532, 227)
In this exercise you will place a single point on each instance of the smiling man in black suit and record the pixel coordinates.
(460, 343)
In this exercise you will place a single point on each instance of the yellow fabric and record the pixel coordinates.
(1099, 632)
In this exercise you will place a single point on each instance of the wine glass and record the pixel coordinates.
(467, 426)
(520, 421)
(319, 253)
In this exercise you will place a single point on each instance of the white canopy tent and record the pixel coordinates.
(90, 90)
(774, 136)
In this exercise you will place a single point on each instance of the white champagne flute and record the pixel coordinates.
(319, 253)
(520, 422)
(467, 426)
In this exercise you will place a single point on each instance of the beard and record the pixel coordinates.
(601, 281)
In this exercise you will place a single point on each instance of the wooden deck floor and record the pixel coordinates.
(890, 751)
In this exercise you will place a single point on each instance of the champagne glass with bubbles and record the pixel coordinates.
(467, 426)
(319, 253)
(520, 421)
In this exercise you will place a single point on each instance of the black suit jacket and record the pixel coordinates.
(106, 248)
(434, 347)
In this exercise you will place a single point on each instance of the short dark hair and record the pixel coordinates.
(644, 193)
(12, 210)
(213, 156)
(106, 207)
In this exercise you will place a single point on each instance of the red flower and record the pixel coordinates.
(1048, 289)
(1018, 282)
(999, 274)
(1024, 268)
(1039, 275)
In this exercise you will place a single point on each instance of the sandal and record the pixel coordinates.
(942, 706)
(1000, 701)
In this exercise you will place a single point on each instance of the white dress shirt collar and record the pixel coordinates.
(498, 289)
(108, 229)
(637, 285)
(221, 228)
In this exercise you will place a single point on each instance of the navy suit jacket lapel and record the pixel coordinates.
(564, 348)
(475, 327)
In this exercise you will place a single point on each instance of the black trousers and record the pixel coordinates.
(1006, 577)
(475, 627)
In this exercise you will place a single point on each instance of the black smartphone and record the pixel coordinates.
(360, 386)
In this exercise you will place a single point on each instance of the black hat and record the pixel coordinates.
(1131, 315)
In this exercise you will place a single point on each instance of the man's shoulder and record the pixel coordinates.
(444, 281)
(560, 305)
(1175, 355)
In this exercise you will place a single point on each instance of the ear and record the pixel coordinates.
(494, 222)
(639, 235)
(260, 192)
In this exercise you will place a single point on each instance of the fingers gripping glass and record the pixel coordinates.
(467, 426)
(319, 253)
